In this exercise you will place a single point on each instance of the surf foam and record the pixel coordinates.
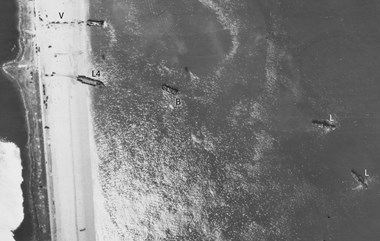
(11, 199)
(229, 23)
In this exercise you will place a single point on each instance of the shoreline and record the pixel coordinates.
(25, 78)
(63, 53)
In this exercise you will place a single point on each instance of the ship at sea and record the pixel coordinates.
(360, 180)
(328, 124)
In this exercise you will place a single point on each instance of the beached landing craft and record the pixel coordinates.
(89, 81)
(329, 124)
(96, 23)
(362, 181)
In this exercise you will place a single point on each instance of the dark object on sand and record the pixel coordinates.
(89, 81)
(96, 23)
(169, 89)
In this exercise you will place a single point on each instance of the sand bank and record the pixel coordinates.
(62, 46)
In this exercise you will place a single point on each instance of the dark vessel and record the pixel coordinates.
(169, 89)
(96, 23)
(359, 179)
(89, 81)
(325, 124)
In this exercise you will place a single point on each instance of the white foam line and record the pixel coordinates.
(228, 23)
(112, 34)
(270, 68)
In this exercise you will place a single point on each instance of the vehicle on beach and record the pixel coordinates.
(169, 89)
(90, 81)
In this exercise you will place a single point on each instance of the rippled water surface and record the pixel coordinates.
(239, 158)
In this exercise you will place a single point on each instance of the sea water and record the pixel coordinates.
(239, 159)
(13, 135)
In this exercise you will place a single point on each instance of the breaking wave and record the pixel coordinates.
(11, 199)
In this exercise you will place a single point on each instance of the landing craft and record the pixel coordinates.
(89, 81)
(325, 124)
(169, 89)
(359, 179)
(96, 23)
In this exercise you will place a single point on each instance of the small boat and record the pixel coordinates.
(90, 81)
(96, 23)
(362, 181)
(169, 89)
(329, 124)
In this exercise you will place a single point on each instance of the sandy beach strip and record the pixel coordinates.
(62, 49)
